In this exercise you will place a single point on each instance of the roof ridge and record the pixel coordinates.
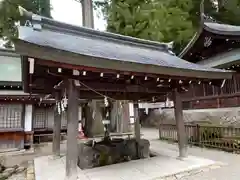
(51, 24)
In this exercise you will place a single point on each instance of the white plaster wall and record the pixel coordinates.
(28, 118)
(221, 116)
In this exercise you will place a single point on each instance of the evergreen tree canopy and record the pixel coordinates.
(10, 16)
(165, 20)
(225, 11)
(150, 19)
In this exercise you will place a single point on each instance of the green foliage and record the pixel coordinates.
(161, 20)
(153, 20)
(10, 17)
(228, 11)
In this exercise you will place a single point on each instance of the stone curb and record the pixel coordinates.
(181, 175)
(17, 153)
(42, 144)
(30, 174)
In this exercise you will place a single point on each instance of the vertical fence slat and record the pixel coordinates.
(220, 137)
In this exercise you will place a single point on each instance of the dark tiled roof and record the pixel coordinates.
(222, 29)
(213, 27)
(116, 49)
(222, 60)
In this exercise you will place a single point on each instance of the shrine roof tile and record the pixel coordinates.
(106, 50)
(213, 27)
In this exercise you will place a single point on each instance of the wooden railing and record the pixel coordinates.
(207, 96)
(220, 137)
(231, 86)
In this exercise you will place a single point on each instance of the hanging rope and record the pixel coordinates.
(88, 87)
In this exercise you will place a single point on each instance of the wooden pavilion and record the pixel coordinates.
(11, 102)
(22, 115)
(214, 45)
(91, 64)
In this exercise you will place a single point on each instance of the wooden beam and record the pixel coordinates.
(109, 87)
(221, 96)
(178, 110)
(72, 132)
(114, 95)
(25, 77)
(121, 88)
(105, 84)
(53, 64)
(56, 128)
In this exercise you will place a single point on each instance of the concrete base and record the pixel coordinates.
(163, 165)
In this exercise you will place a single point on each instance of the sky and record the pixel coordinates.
(70, 11)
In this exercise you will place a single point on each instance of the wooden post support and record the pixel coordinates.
(125, 116)
(160, 130)
(56, 129)
(28, 113)
(72, 132)
(137, 128)
(180, 124)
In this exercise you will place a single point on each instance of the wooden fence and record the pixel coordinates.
(220, 137)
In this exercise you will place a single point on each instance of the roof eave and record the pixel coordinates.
(222, 60)
(221, 32)
(60, 56)
(8, 52)
(190, 44)
(204, 27)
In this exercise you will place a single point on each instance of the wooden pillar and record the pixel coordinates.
(126, 116)
(72, 132)
(137, 128)
(56, 128)
(204, 89)
(28, 129)
(182, 143)
(218, 103)
(235, 84)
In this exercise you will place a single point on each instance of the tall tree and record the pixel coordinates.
(150, 19)
(10, 17)
(165, 20)
(225, 11)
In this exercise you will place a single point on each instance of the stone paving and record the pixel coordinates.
(164, 164)
(26, 159)
(230, 162)
(227, 168)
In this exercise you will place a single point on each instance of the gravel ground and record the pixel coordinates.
(19, 176)
(230, 170)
